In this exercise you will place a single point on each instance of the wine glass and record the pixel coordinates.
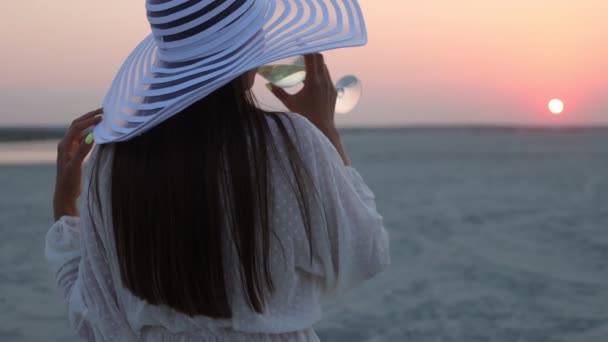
(290, 72)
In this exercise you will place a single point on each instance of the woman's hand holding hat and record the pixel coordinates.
(71, 151)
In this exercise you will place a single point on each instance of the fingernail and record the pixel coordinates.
(269, 86)
(89, 139)
(99, 115)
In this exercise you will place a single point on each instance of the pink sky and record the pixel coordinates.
(427, 62)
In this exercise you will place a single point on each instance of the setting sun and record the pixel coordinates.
(556, 106)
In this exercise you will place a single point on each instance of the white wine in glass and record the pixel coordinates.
(290, 72)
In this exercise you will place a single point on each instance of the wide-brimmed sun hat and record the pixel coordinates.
(197, 46)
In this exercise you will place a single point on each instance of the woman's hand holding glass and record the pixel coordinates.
(316, 100)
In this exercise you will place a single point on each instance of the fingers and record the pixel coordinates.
(314, 66)
(74, 134)
(89, 115)
(317, 72)
(326, 74)
(280, 93)
(319, 64)
(83, 150)
(78, 126)
(309, 62)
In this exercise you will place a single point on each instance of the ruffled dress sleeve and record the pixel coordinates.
(354, 244)
(79, 263)
(63, 254)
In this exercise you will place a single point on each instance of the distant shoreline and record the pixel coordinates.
(33, 133)
(14, 134)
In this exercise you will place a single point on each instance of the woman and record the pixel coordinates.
(219, 221)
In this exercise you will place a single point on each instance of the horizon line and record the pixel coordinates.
(375, 126)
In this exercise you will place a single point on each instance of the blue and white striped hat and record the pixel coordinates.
(197, 46)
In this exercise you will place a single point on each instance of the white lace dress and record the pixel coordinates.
(350, 246)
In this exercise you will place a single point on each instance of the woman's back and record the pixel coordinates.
(203, 217)
(348, 239)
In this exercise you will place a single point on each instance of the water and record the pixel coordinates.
(496, 235)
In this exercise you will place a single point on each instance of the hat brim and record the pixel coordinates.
(147, 90)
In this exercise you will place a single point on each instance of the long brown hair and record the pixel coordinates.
(180, 189)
